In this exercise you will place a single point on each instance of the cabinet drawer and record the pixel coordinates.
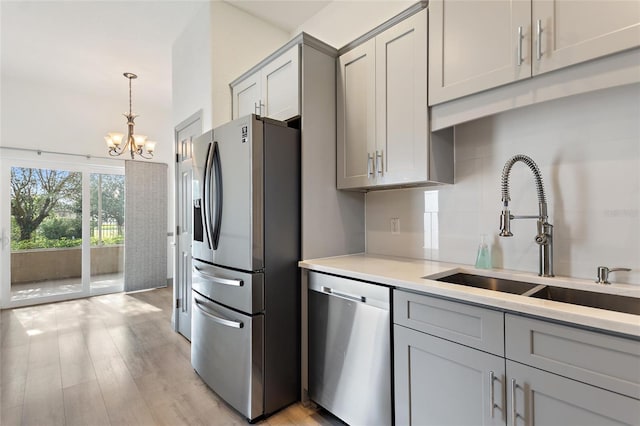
(610, 362)
(469, 325)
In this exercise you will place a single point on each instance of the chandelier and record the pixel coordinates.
(135, 144)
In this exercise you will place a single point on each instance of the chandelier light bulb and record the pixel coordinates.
(140, 140)
(116, 138)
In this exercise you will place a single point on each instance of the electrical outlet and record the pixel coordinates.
(395, 225)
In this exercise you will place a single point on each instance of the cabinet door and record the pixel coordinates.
(401, 102)
(281, 86)
(543, 398)
(356, 117)
(474, 46)
(438, 382)
(246, 96)
(574, 31)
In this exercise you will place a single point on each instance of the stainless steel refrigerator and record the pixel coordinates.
(246, 291)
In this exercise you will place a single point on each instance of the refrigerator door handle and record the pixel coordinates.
(217, 174)
(220, 320)
(219, 280)
(206, 192)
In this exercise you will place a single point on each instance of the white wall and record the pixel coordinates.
(341, 22)
(60, 117)
(239, 41)
(192, 69)
(57, 117)
(588, 150)
(219, 44)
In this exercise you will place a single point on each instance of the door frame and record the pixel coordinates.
(52, 161)
(177, 274)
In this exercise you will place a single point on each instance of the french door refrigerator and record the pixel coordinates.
(246, 244)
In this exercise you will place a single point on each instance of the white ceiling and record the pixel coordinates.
(287, 14)
(89, 44)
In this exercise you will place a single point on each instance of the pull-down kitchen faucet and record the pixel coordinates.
(544, 237)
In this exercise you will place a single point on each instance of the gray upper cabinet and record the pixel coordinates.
(567, 32)
(356, 104)
(247, 96)
(475, 46)
(272, 91)
(299, 80)
(382, 121)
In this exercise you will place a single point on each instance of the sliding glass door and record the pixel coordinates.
(62, 231)
(107, 233)
(46, 232)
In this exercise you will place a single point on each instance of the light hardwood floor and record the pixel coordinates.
(110, 360)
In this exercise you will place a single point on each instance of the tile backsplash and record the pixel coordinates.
(588, 150)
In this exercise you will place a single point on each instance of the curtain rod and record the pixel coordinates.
(42, 151)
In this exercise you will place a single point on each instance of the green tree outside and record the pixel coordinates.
(112, 199)
(36, 193)
(46, 208)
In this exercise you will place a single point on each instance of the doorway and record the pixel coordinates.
(62, 232)
(185, 132)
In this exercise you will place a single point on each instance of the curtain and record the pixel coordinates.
(145, 234)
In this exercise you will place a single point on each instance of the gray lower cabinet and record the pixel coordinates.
(449, 369)
(536, 397)
(603, 360)
(438, 382)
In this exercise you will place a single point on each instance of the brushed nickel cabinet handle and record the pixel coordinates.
(492, 402)
(520, 37)
(371, 167)
(539, 39)
(514, 412)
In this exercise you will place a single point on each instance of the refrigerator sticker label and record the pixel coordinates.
(245, 133)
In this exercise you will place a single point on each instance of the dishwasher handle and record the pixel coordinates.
(342, 295)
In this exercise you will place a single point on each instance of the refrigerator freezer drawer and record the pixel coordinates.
(227, 352)
(239, 290)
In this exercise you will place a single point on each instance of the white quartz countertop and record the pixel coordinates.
(419, 275)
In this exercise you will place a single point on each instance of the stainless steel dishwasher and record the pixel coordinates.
(350, 349)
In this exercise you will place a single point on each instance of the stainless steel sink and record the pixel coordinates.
(611, 302)
(489, 283)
